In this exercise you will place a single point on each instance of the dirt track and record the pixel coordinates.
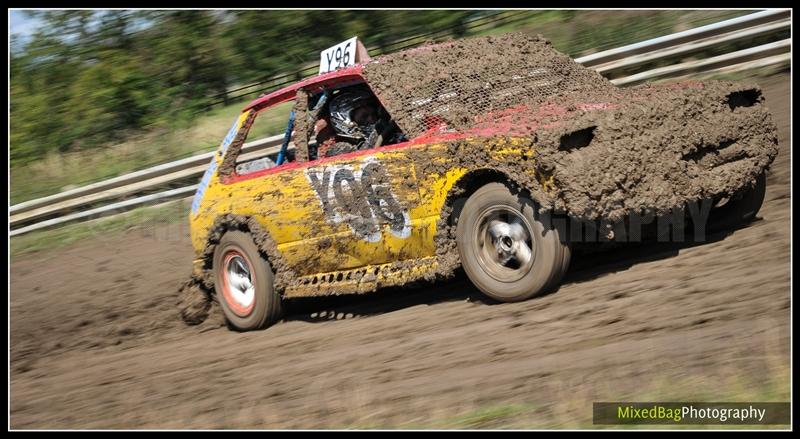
(96, 341)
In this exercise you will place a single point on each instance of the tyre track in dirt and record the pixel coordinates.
(96, 341)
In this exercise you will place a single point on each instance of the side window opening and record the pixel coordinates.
(337, 121)
(267, 123)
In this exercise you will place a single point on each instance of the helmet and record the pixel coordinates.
(341, 113)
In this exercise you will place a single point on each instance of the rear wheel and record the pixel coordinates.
(508, 250)
(741, 208)
(243, 282)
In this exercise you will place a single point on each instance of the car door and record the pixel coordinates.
(278, 197)
(367, 200)
(331, 214)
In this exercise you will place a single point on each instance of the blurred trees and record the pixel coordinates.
(87, 77)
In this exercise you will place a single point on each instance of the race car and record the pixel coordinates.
(483, 154)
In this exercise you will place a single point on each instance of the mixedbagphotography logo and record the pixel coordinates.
(688, 413)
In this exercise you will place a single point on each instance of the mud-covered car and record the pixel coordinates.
(504, 148)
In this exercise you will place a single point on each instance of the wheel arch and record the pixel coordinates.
(473, 180)
(266, 245)
(457, 194)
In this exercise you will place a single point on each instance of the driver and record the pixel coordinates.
(353, 114)
(357, 118)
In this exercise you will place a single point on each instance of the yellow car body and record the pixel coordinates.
(325, 252)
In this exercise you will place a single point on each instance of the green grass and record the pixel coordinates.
(488, 417)
(166, 213)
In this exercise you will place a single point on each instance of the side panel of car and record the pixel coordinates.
(439, 166)
(330, 216)
(359, 210)
(366, 201)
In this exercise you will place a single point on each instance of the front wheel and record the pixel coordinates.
(243, 282)
(508, 250)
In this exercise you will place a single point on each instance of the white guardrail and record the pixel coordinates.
(80, 203)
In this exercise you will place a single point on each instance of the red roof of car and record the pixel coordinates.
(313, 85)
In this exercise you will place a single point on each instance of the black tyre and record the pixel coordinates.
(566, 257)
(243, 282)
(508, 250)
(741, 208)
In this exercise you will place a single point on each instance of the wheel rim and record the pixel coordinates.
(504, 243)
(238, 285)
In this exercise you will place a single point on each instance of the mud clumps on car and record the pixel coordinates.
(456, 82)
(645, 151)
(195, 301)
(228, 165)
(610, 152)
(301, 124)
(655, 150)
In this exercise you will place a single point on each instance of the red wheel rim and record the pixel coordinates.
(238, 283)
